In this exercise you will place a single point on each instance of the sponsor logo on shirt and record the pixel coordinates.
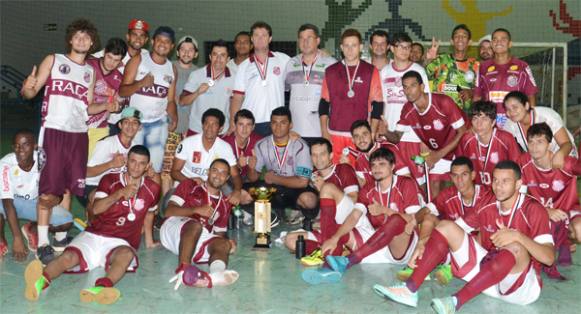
(87, 77)
(197, 157)
(491, 68)
(543, 186)
(64, 69)
(167, 78)
(513, 67)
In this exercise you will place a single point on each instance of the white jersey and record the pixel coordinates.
(104, 152)
(217, 96)
(233, 67)
(305, 84)
(538, 115)
(198, 159)
(393, 96)
(65, 102)
(262, 92)
(16, 182)
(152, 101)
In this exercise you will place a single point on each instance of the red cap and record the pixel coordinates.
(138, 24)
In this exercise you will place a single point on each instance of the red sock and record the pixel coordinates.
(104, 282)
(328, 224)
(48, 280)
(435, 252)
(491, 273)
(311, 245)
(394, 226)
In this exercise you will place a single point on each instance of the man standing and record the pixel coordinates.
(149, 80)
(485, 48)
(304, 76)
(259, 83)
(209, 87)
(187, 52)
(417, 53)
(243, 47)
(503, 74)
(379, 44)
(65, 111)
(351, 91)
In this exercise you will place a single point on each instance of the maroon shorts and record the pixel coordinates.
(62, 162)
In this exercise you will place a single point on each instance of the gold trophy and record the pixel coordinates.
(262, 209)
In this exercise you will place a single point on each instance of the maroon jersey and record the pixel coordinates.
(449, 204)
(242, 151)
(343, 176)
(403, 197)
(485, 156)
(363, 168)
(554, 188)
(437, 125)
(496, 81)
(116, 221)
(190, 194)
(105, 91)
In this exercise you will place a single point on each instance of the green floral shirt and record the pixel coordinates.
(446, 75)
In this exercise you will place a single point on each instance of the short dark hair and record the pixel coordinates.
(401, 38)
(504, 30)
(216, 113)
(241, 33)
(413, 74)
(382, 153)
(322, 141)
(509, 165)
(261, 24)
(487, 108)
(463, 27)
(116, 46)
(24, 132)
(219, 43)
(380, 33)
(308, 26)
(463, 161)
(281, 111)
(244, 113)
(351, 32)
(81, 25)
(540, 129)
(220, 160)
(360, 123)
(139, 150)
(419, 45)
(519, 96)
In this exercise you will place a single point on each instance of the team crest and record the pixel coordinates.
(276, 70)
(438, 125)
(87, 77)
(393, 206)
(167, 78)
(511, 80)
(197, 157)
(494, 157)
(558, 186)
(139, 204)
(81, 183)
(64, 69)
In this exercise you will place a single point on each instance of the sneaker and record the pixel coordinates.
(3, 248)
(319, 276)
(101, 295)
(35, 281)
(443, 274)
(407, 272)
(60, 246)
(443, 305)
(45, 254)
(30, 235)
(398, 293)
(313, 259)
(80, 224)
(338, 263)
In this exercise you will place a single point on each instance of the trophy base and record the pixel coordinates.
(262, 241)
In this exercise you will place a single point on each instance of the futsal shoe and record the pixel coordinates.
(313, 259)
(101, 295)
(45, 254)
(319, 276)
(34, 280)
(3, 248)
(443, 274)
(338, 263)
(443, 305)
(30, 236)
(398, 293)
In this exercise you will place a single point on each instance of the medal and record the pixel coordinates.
(351, 81)
(350, 93)
(345, 151)
(212, 218)
(306, 74)
(307, 83)
(280, 160)
(263, 83)
(131, 217)
(211, 82)
(262, 69)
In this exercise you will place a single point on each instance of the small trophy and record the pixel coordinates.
(262, 209)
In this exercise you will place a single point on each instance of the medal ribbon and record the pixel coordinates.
(261, 67)
(278, 158)
(522, 132)
(306, 74)
(350, 81)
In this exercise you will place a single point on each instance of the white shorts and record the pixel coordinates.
(95, 251)
(528, 292)
(170, 235)
(440, 171)
(385, 256)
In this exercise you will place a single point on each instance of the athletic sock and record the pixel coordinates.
(47, 280)
(217, 266)
(327, 219)
(435, 252)
(59, 236)
(491, 273)
(394, 226)
(104, 282)
(42, 235)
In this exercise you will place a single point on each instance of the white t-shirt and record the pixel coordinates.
(16, 182)
(233, 67)
(198, 160)
(104, 152)
(393, 96)
(262, 96)
(551, 118)
(217, 96)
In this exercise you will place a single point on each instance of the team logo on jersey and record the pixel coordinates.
(393, 206)
(276, 70)
(494, 157)
(543, 185)
(489, 228)
(64, 69)
(41, 159)
(167, 78)
(87, 77)
(139, 204)
(469, 76)
(511, 80)
(438, 125)
(81, 183)
(513, 67)
(491, 68)
(358, 80)
(558, 186)
(427, 127)
(197, 157)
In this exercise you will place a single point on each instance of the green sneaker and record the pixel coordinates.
(443, 274)
(314, 259)
(406, 273)
(101, 295)
(35, 281)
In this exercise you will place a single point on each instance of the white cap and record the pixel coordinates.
(187, 39)
(485, 38)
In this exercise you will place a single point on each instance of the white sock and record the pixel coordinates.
(455, 301)
(217, 266)
(59, 236)
(42, 235)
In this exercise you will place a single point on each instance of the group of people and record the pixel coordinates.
(362, 152)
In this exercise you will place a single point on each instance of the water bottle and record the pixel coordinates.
(300, 249)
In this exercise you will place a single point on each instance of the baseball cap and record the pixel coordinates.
(131, 112)
(187, 39)
(165, 31)
(485, 38)
(138, 24)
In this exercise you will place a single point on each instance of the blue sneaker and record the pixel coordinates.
(338, 263)
(444, 305)
(319, 276)
(398, 293)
